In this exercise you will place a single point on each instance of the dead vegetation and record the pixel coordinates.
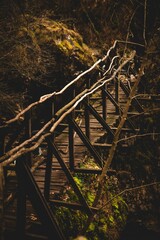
(39, 50)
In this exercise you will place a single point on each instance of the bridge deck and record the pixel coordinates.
(86, 128)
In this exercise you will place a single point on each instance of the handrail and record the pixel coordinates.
(48, 96)
(18, 151)
(45, 133)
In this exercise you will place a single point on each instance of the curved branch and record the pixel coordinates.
(62, 113)
(48, 96)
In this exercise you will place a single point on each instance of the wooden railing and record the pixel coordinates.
(22, 135)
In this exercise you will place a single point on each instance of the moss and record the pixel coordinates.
(107, 221)
(49, 46)
(58, 34)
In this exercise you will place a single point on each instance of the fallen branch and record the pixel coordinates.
(49, 96)
(60, 115)
(112, 150)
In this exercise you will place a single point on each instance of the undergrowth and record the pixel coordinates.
(110, 217)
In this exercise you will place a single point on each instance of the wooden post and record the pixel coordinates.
(71, 136)
(117, 94)
(116, 85)
(1, 202)
(39, 204)
(71, 145)
(48, 171)
(21, 201)
(21, 192)
(104, 103)
(2, 183)
(28, 133)
(87, 116)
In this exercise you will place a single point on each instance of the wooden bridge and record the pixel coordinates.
(41, 152)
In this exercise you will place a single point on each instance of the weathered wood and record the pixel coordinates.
(116, 82)
(48, 172)
(39, 203)
(21, 203)
(87, 143)
(52, 184)
(69, 205)
(71, 135)
(2, 225)
(101, 120)
(120, 111)
(2, 184)
(86, 113)
(112, 150)
(71, 145)
(135, 102)
(28, 133)
(104, 102)
(71, 179)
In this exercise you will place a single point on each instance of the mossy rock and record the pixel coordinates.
(48, 40)
(41, 54)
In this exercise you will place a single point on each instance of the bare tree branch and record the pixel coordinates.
(125, 191)
(112, 150)
(48, 96)
(61, 114)
(138, 136)
(144, 24)
(146, 111)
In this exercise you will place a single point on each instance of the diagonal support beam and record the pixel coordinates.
(100, 119)
(110, 97)
(87, 143)
(136, 103)
(39, 203)
(70, 178)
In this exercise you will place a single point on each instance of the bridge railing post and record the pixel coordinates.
(48, 170)
(116, 82)
(28, 133)
(86, 113)
(2, 183)
(71, 135)
(21, 193)
(21, 201)
(104, 103)
(1, 202)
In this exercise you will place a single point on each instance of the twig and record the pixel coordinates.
(128, 190)
(132, 43)
(87, 15)
(128, 30)
(138, 136)
(145, 18)
(151, 111)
